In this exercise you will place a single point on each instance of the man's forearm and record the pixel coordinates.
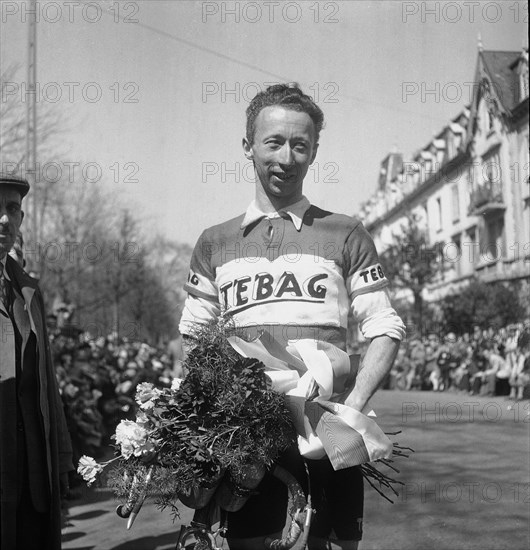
(376, 365)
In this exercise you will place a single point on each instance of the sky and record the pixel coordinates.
(154, 92)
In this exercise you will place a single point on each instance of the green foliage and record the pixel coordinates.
(481, 304)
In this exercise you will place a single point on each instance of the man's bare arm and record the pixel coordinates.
(376, 365)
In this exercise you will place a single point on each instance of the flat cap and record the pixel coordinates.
(20, 183)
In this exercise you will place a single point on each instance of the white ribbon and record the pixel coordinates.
(347, 436)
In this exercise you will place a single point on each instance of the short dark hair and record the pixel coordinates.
(289, 96)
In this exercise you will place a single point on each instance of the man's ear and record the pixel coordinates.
(247, 148)
(313, 156)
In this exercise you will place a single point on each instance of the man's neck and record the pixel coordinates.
(273, 204)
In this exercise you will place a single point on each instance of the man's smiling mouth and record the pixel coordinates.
(284, 177)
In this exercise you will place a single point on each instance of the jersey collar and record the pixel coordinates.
(295, 212)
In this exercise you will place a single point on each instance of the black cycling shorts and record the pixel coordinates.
(337, 497)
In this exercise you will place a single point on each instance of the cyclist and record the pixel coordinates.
(296, 269)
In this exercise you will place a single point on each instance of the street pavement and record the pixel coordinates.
(466, 487)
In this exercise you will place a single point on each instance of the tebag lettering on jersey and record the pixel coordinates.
(266, 287)
(367, 279)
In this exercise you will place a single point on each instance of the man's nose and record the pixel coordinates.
(286, 156)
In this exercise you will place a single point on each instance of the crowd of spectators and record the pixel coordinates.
(484, 362)
(97, 381)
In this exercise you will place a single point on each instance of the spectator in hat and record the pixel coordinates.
(431, 371)
(520, 373)
(417, 357)
(447, 361)
(495, 365)
(35, 449)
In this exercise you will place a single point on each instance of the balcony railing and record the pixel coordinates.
(486, 198)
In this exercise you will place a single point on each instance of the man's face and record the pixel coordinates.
(284, 147)
(10, 218)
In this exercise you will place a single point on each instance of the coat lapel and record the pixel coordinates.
(7, 350)
(26, 286)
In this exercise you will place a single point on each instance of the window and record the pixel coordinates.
(471, 248)
(441, 260)
(450, 141)
(526, 228)
(455, 200)
(454, 255)
(492, 176)
(523, 81)
(471, 177)
(457, 141)
(427, 169)
(438, 207)
(491, 118)
(493, 246)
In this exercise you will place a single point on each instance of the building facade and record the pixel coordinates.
(469, 186)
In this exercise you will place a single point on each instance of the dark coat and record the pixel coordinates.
(44, 422)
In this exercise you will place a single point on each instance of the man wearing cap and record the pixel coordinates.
(35, 449)
(295, 271)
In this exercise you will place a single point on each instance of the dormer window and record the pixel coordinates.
(523, 81)
(427, 165)
(457, 132)
(491, 118)
(492, 174)
(450, 143)
(438, 214)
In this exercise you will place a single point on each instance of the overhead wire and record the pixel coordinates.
(253, 67)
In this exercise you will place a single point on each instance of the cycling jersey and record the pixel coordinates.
(298, 271)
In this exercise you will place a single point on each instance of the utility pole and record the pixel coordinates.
(31, 132)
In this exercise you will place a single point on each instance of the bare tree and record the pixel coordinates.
(411, 263)
(89, 253)
(13, 133)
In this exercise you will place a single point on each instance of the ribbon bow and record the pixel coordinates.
(311, 373)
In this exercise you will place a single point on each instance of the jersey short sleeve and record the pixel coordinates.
(364, 273)
(201, 277)
(202, 303)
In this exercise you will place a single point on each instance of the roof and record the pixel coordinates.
(498, 65)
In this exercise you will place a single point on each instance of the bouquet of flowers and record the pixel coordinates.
(221, 425)
(213, 434)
